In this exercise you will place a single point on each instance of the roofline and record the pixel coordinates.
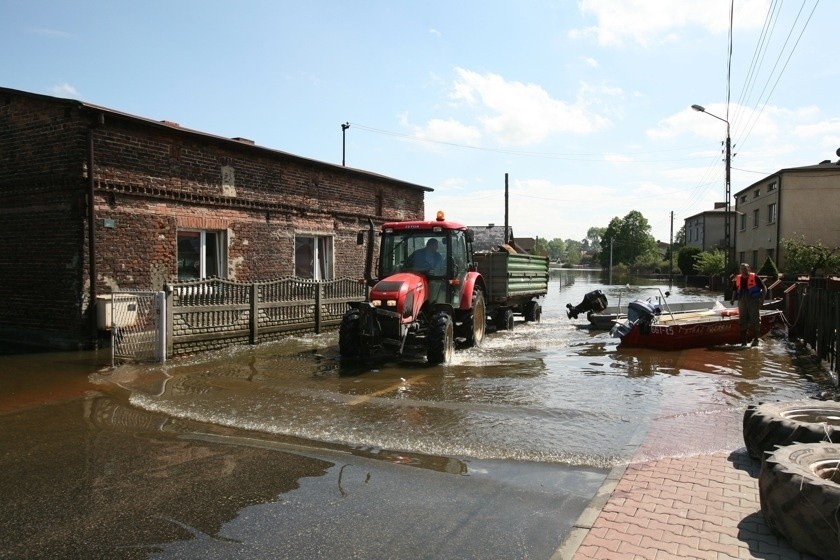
(820, 167)
(173, 127)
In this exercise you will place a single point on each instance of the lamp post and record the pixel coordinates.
(344, 127)
(726, 219)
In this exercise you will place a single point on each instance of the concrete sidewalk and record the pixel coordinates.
(691, 491)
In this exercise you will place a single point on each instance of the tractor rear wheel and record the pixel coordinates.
(475, 327)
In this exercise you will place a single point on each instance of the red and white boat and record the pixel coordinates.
(646, 327)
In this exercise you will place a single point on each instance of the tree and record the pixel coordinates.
(630, 239)
(573, 250)
(540, 247)
(710, 263)
(686, 260)
(557, 249)
(801, 258)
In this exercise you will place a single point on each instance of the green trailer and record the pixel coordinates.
(513, 282)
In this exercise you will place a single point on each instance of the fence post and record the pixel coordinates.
(160, 351)
(318, 292)
(170, 319)
(253, 292)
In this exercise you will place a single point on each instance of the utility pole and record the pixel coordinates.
(344, 128)
(726, 219)
(671, 267)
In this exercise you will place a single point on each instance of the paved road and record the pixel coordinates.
(85, 476)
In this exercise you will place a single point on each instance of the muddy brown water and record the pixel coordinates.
(527, 425)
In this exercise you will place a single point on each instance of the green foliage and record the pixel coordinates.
(556, 249)
(573, 250)
(649, 263)
(686, 260)
(540, 247)
(627, 239)
(769, 269)
(710, 263)
(801, 258)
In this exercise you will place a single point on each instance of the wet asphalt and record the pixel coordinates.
(85, 475)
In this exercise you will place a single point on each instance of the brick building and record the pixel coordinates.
(96, 200)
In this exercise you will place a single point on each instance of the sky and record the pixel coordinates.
(585, 105)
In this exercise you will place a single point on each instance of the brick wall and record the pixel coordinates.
(152, 180)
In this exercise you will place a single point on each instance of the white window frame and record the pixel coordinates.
(220, 256)
(771, 213)
(323, 257)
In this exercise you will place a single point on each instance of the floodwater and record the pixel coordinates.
(550, 392)
(280, 451)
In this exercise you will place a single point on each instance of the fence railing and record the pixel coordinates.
(819, 324)
(214, 313)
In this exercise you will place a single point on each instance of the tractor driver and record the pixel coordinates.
(426, 258)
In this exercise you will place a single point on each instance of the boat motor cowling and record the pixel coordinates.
(594, 301)
(639, 312)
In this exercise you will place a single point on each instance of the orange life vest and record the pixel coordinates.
(753, 287)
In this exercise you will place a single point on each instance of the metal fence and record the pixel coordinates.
(135, 320)
(215, 313)
(820, 319)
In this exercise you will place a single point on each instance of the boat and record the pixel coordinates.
(604, 320)
(602, 317)
(645, 328)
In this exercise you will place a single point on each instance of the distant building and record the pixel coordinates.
(95, 200)
(491, 237)
(706, 231)
(789, 204)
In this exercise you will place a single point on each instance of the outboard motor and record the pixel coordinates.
(640, 313)
(594, 301)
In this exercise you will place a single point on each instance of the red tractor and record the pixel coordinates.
(428, 294)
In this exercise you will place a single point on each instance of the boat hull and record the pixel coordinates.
(679, 335)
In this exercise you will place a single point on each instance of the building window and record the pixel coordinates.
(771, 253)
(772, 186)
(757, 193)
(743, 220)
(314, 257)
(755, 218)
(201, 254)
(741, 257)
(754, 263)
(771, 213)
(744, 198)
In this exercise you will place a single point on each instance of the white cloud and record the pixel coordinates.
(518, 114)
(435, 32)
(52, 33)
(449, 130)
(589, 61)
(64, 90)
(647, 22)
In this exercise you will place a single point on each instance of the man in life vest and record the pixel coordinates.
(749, 290)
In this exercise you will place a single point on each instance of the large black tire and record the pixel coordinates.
(767, 425)
(475, 327)
(505, 320)
(533, 311)
(348, 335)
(800, 496)
(441, 339)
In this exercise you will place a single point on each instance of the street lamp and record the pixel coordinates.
(344, 127)
(726, 224)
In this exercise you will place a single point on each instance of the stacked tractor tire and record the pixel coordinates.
(799, 485)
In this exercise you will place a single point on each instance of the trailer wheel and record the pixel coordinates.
(441, 339)
(348, 335)
(504, 320)
(532, 311)
(767, 425)
(800, 496)
(475, 326)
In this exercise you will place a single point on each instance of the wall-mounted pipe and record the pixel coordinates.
(91, 215)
